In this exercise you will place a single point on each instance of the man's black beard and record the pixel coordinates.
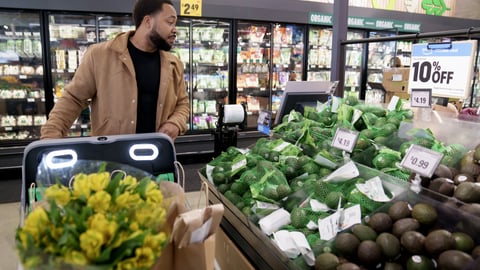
(159, 42)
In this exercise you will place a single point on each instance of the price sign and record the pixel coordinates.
(191, 8)
(345, 139)
(437, 66)
(421, 160)
(421, 98)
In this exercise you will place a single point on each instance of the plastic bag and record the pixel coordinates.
(88, 202)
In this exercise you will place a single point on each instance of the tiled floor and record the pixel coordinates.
(8, 223)
(10, 217)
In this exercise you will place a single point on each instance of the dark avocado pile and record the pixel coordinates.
(403, 237)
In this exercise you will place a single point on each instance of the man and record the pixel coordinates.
(135, 85)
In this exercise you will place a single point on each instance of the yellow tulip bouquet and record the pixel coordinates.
(102, 221)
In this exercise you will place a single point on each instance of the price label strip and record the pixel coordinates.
(191, 8)
(421, 160)
(421, 98)
(345, 139)
(446, 68)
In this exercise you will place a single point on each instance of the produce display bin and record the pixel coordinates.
(262, 252)
(153, 153)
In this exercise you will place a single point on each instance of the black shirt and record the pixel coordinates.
(147, 73)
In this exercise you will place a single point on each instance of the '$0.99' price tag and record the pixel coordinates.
(345, 139)
(421, 160)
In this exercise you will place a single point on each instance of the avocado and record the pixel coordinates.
(438, 241)
(463, 242)
(326, 261)
(454, 260)
(404, 225)
(363, 232)
(369, 253)
(346, 244)
(463, 177)
(468, 164)
(442, 185)
(348, 266)
(476, 252)
(389, 245)
(424, 213)
(413, 242)
(443, 171)
(399, 210)
(333, 198)
(468, 192)
(392, 266)
(419, 262)
(380, 222)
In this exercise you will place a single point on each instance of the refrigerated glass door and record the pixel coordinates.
(287, 59)
(319, 54)
(111, 26)
(353, 64)
(253, 68)
(380, 55)
(210, 47)
(181, 49)
(22, 96)
(70, 36)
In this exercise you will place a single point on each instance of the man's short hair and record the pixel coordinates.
(147, 7)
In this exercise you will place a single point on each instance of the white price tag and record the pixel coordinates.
(421, 160)
(328, 227)
(345, 139)
(421, 98)
(393, 103)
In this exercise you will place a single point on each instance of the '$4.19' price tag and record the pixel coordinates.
(421, 98)
(345, 139)
(421, 160)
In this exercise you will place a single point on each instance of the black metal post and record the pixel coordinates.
(340, 27)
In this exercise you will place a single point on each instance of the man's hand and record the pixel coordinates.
(170, 129)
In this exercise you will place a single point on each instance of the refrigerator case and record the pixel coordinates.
(22, 96)
(353, 63)
(203, 46)
(319, 54)
(268, 55)
(70, 35)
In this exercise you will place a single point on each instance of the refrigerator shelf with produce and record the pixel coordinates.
(22, 95)
(268, 55)
(203, 46)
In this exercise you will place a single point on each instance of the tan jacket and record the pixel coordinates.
(107, 77)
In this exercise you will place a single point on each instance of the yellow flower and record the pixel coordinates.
(60, 194)
(99, 222)
(90, 242)
(81, 186)
(127, 200)
(100, 201)
(37, 218)
(130, 182)
(122, 237)
(154, 196)
(127, 264)
(76, 257)
(134, 226)
(143, 215)
(144, 257)
(98, 181)
(32, 262)
(155, 242)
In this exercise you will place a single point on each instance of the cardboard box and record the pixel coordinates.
(401, 95)
(227, 254)
(396, 79)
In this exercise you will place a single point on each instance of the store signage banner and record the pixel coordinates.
(446, 68)
(366, 23)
